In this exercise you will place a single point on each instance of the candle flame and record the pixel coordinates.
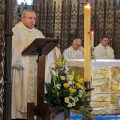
(92, 32)
(87, 5)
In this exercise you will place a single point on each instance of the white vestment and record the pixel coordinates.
(101, 52)
(70, 53)
(53, 56)
(24, 70)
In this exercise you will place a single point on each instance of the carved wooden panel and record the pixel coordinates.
(2, 54)
(67, 22)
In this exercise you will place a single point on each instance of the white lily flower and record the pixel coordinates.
(58, 86)
(70, 82)
(80, 95)
(62, 77)
(73, 99)
(70, 77)
(76, 99)
(67, 69)
(66, 99)
(73, 104)
(69, 104)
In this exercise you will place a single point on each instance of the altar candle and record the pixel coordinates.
(87, 43)
(92, 38)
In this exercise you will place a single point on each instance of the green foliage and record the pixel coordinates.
(65, 92)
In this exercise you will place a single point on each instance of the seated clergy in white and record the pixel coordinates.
(76, 51)
(103, 50)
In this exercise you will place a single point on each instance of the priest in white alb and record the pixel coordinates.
(103, 50)
(76, 51)
(24, 68)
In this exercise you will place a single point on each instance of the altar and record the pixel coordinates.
(105, 98)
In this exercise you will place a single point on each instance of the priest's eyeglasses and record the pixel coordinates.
(77, 44)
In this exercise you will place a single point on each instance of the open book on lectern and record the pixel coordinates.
(41, 46)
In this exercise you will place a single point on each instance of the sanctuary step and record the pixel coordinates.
(110, 117)
(107, 117)
(75, 117)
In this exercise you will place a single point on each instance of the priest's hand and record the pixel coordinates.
(18, 65)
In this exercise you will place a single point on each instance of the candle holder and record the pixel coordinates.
(87, 85)
(92, 56)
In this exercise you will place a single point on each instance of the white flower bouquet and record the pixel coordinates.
(65, 92)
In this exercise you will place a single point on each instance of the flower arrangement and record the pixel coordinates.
(65, 92)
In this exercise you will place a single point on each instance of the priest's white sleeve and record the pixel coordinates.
(65, 53)
(16, 53)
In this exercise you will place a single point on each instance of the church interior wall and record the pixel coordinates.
(104, 21)
(104, 17)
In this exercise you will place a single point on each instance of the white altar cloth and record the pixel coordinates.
(105, 98)
(94, 63)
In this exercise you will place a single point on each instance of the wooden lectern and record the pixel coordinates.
(40, 47)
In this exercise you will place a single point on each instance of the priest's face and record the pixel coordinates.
(104, 42)
(29, 19)
(76, 44)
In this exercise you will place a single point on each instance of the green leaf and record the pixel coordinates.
(48, 88)
(52, 83)
(66, 112)
(76, 74)
(58, 109)
(47, 100)
(86, 95)
(79, 104)
(85, 112)
(57, 101)
(53, 76)
(83, 90)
